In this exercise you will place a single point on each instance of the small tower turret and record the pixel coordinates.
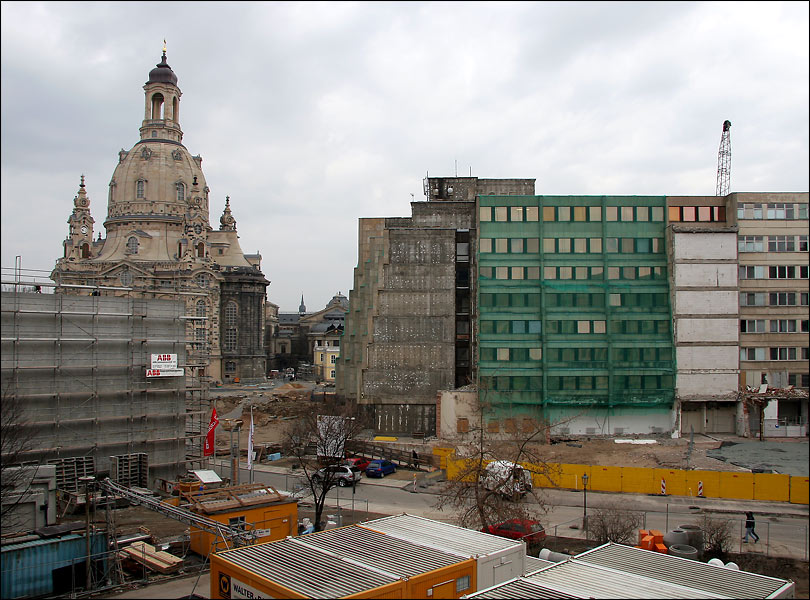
(80, 232)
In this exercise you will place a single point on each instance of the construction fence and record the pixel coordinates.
(773, 487)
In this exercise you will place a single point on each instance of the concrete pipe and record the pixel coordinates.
(684, 551)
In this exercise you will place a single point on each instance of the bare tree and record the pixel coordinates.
(473, 495)
(717, 536)
(15, 482)
(613, 523)
(318, 437)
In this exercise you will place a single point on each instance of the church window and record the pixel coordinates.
(202, 309)
(201, 250)
(231, 313)
(132, 245)
(139, 188)
(126, 277)
(202, 280)
(85, 250)
(181, 191)
(230, 366)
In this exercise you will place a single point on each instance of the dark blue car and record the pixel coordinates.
(380, 468)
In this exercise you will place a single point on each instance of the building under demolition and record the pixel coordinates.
(598, 315)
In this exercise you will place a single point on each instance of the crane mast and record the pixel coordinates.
(724, 161)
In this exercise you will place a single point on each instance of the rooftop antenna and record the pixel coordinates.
(456, 163)
(724, 161)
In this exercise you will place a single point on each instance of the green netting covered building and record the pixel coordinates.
(573, 309)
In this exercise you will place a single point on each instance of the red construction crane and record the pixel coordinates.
(724, 161)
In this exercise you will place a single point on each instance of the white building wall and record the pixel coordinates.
(705, 247)
(723, 302)
(707, 330)
(705, 275)
(710, 359)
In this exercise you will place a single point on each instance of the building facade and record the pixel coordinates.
(596, 315)
(160, 244)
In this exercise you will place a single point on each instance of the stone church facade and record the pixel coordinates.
(160, 244)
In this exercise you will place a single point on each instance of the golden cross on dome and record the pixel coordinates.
(164, 46)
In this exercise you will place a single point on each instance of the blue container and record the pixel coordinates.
(31, 568)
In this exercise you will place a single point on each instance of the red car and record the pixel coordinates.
(529, 530)
(359, 462)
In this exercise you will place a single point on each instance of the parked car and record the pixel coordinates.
(380, 468)
(358, 461)
(519, 529)
(343, 475)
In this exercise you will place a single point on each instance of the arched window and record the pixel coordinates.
(202, 309)
(139, 188)
(132, 245)
(157, 106)
(175, 109)
(181, 191)
(231, 314)
(85, 250)
(201, 250)
(201, 279)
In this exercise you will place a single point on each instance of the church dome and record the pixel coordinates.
(162, 73)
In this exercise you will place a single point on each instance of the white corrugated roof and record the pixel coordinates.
(380, 551)
(674, 569)
(308, 571)
(584, 579)
(520, 587)
(532, 564)
(456, 540)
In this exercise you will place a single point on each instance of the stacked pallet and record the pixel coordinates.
(152, 558)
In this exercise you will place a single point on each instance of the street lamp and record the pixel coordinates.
(585, 504)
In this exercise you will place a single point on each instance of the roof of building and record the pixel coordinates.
(682, 571)
(386, 553)
(234, 497)
(441, 536)
(162, 73)
(617, 571)
(310, 572)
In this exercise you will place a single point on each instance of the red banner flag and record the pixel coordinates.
(209, 438)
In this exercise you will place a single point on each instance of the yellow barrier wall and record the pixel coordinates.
(737, 485)
(711, 483)
(637, 480)
(772, 486)
(443, 454)
(800, 490)
(605, 479)
(675, 481)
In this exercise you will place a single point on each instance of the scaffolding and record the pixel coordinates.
(79, 362)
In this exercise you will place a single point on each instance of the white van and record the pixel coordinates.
(508, 479)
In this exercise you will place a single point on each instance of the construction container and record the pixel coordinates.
(497, 559)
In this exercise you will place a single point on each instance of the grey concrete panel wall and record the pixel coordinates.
(414, 329)
(416, 386)
(424, 247)
(419, 278)
(414, 356)
(422, 303)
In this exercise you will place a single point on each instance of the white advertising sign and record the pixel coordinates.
(242, 590)
(165, 372)
(164, 361)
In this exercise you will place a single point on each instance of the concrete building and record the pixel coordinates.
(408, 333)
(598, 315)
(78, 366)
(773, 298)
(160, 244)
(702, 249)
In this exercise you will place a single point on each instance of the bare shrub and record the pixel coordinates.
(717, 536)
(612, 523)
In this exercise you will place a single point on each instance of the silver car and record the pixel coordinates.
(343, 475)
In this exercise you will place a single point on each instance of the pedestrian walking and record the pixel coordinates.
(750, 523)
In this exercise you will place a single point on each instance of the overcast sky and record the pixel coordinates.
(311, 116)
